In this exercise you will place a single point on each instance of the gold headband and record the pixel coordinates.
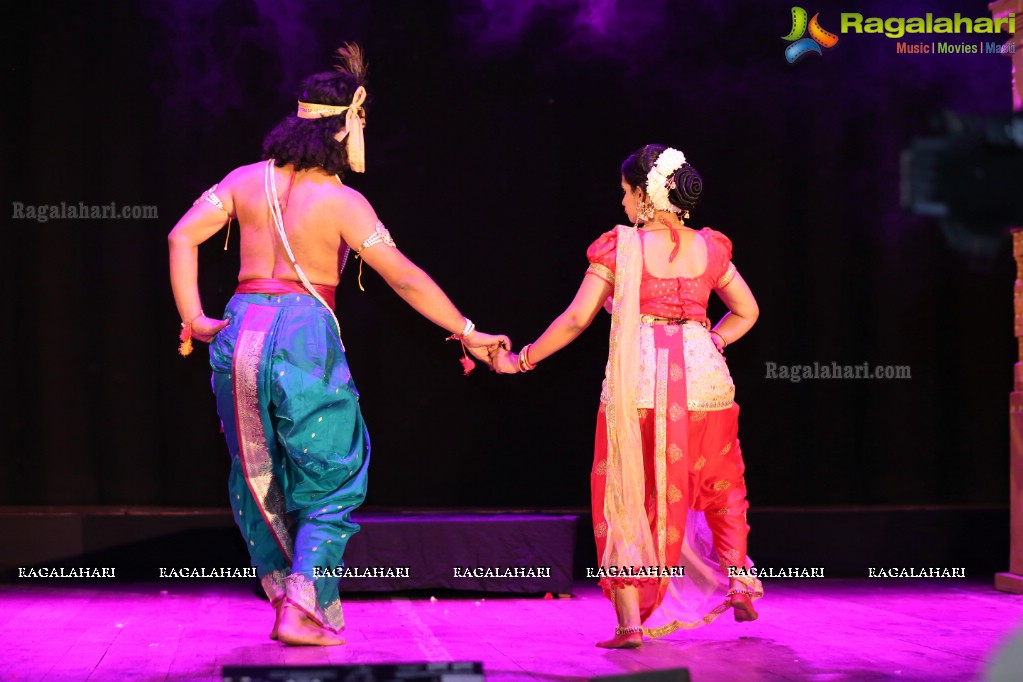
(353, 125)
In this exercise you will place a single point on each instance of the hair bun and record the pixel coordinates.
(688, 187)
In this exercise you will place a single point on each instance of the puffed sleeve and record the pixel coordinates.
(721, 269)
(602, 255)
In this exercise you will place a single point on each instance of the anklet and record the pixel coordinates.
(622, 632)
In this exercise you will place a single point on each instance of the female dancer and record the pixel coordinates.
(667, 480)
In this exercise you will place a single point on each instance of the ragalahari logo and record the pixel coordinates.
(801, 46)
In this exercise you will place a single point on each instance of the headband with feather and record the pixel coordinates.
(352, 62)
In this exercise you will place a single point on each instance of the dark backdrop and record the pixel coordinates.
(495, 132)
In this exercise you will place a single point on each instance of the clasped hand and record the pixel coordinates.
(506, 362)
(493, 350)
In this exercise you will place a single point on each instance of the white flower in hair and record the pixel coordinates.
(661, 178)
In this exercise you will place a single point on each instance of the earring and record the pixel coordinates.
(685, 215)
(644, 211)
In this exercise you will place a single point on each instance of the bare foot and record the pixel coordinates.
(298, 629)
(277, 620)
(630, 641)
(742, 607)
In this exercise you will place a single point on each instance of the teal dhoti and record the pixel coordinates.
(298, 444)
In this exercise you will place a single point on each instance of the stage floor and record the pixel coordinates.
(833, 630)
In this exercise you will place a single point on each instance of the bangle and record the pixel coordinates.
(524, 364)
(723, 342)
(467, 364)
(521, 360)
(469, 328)
(525, 354)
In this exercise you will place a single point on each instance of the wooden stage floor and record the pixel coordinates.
(823, 630)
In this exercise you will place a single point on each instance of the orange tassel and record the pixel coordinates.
(467, 364)
(185, 348)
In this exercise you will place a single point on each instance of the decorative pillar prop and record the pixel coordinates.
(1013, 580)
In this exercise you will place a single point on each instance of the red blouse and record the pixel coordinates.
(671, 297)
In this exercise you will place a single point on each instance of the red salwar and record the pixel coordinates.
(695, 492)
